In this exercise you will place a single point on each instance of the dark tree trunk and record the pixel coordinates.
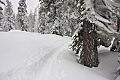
(89, 54)
(118, 25)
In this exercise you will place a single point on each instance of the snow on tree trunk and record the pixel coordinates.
(89, 54)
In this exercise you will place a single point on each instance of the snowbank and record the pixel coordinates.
(33, 56)
(16, 47)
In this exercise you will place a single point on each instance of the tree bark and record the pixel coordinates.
(118, 25)
(89, 54)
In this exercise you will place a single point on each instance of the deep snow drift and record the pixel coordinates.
(33, 56)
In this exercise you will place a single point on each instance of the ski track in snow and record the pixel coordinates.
(40, 64)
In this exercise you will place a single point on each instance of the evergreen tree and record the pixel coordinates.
(17, 23)
(36, 19)
(31, 20)
(61, 15)
(95, 17)
(115, 46)
(9, 16)
(22, 15)
(2, 4)
(90, 19)
(42, 22)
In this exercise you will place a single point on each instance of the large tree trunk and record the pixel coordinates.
(89, 54)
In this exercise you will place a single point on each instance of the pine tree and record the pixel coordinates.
(2, 4)
(17, 23)
(95, 17)
(22, 15)
(9, 16)
(116, 43)
(90, 19)
(42, 22)
(36, 19)
(31, 22)
(61, 15)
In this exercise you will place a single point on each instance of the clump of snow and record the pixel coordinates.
(33, 56)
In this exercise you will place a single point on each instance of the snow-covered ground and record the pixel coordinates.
(33, 56)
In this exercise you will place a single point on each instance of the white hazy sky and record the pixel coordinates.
(31, 4)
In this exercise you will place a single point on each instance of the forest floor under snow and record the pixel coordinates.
(33, 56)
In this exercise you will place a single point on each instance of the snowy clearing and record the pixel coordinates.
(33, 56)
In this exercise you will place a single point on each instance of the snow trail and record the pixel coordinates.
(49, 61)
(39, 65)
